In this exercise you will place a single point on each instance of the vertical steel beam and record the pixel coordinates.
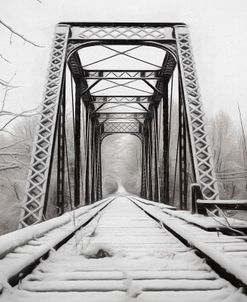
(183, 178)
(144, 170)
(202, 155)
(35, 196)
(84, 155)
(61, 154)
(93, 162)
(149, 161)
(156, 194)
(86, 159)
(160, 151)
(88, 173)
(96, 163)
(146, 162)
(166, 147)
(99, 166)
(77, 145)
(152, 180)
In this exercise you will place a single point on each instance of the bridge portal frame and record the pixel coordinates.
(69, 38)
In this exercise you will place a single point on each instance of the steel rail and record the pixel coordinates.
(39, 239)
(221, 263)
(91, 282)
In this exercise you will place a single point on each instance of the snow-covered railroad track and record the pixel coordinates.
(123, 255)
(228, 254)
(21, 250)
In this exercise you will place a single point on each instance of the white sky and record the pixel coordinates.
(218, 31)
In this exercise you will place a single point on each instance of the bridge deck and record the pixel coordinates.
(123, 255)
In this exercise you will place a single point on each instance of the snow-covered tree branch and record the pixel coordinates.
(15, 33)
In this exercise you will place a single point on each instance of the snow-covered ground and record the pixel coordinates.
(123, 255)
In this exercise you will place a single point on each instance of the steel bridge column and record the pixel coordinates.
(77, 146)
(166, 147)
(144, 169)
(183, 178)
(61, 154)
(146, 180)
(156, 194)
(152, 164)
(96, 161)
(148, 169)
(93, 162)
(160, 153)
(142, 176)
(88, 161)
(37, 188)
(84, 158)
(99, 167)
(149, 161)
(202, 155)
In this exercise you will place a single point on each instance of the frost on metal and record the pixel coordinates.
(122, 32)
(37, 181)
(202, 155)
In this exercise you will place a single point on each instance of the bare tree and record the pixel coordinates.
(223, 137)
(16, 134)
(228, 157)
(7, 122)
(14, 33)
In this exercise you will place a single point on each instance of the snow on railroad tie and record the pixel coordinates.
(123, 255)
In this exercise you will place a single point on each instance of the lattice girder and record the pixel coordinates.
(37, 181)
(120, 115)
(122, 99)
(115, 74)
(104, 135)
(122, 32)
(122, 127)
(202, 155)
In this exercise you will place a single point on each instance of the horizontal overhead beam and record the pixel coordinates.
(123, 32)
(122, 100)
(116, 24)
(118, 97)
(122, 74)
(122, 127)
(122, 115)
(117, 119)
(119, 112)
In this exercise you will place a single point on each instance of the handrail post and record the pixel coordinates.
(196, 193)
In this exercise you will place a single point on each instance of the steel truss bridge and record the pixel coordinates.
(123, 78)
